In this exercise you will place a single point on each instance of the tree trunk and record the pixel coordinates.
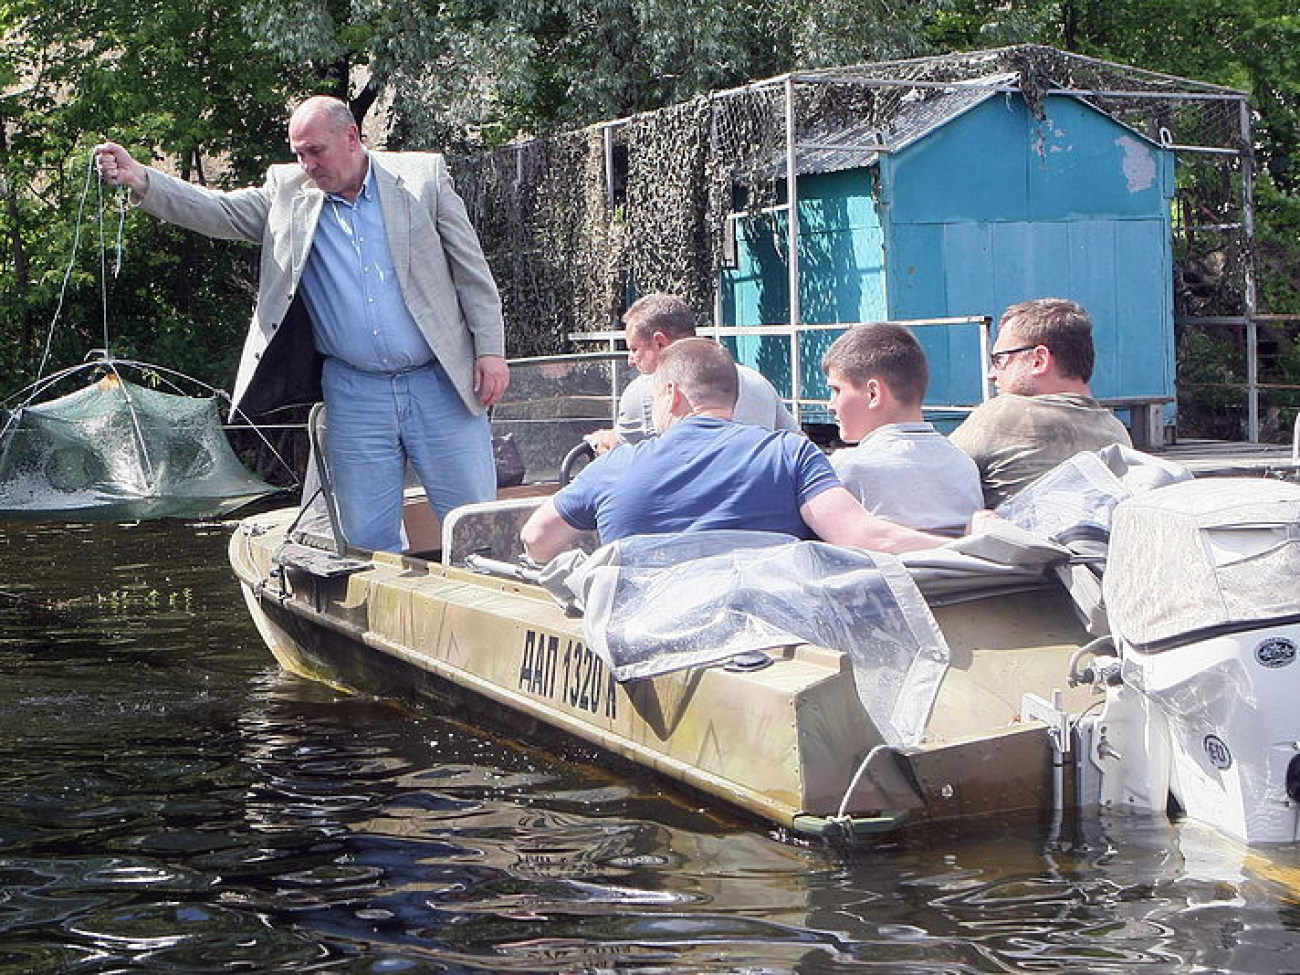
(17, 249)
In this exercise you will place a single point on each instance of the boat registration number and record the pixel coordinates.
(566, 671)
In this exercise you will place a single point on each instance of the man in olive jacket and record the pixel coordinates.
(374, 295)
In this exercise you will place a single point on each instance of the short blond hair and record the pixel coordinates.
(702, 369)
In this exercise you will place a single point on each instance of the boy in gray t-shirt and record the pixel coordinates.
(902, 468)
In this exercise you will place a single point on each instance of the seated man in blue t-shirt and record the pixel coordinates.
(706, 472)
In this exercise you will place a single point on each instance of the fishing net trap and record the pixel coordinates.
(116, 439)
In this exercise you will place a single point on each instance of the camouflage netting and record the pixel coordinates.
(578, 224)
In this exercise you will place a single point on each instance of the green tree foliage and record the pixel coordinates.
(1279, 239)
(190, 82)
(173, 82)
(467, 73)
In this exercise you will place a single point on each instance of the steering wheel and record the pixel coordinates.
(581, 452)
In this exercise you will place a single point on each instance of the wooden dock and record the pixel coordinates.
(1224, 458)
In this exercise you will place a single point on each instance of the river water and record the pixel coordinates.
(171, 802)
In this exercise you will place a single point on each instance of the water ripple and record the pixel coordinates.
(171, 802)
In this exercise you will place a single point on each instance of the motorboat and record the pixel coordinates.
(1124, 637)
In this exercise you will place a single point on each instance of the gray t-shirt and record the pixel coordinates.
(913, 475)
(1013, 439)
(757, 405)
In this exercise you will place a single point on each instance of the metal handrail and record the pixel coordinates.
(792, 332)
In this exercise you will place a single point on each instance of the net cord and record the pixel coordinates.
(67, 276)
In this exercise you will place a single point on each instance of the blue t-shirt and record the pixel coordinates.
(703, 474)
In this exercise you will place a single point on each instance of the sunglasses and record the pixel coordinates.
(999, 359)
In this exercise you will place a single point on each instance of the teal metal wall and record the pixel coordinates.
(842, 260)
(992, 208)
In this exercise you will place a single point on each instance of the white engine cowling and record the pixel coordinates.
(1202, 587)
(1229, 706)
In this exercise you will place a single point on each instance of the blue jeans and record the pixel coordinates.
(379, 421)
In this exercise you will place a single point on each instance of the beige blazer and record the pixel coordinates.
(440, 267)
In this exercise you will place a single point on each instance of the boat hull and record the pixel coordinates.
(783, 743)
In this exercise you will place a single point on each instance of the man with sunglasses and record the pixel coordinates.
(1044, 412)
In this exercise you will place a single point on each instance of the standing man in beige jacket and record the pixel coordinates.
(374, 296)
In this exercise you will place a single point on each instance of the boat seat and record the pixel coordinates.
(491, 528)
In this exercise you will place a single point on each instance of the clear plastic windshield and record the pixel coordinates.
(554, 400)
(1082, 492)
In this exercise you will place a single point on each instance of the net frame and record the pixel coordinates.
(117, 449)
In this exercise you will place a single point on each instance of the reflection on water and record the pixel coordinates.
(170, 802)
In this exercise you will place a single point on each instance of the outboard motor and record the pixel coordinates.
(1202, 588)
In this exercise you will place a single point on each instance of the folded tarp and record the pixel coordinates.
(657, 603)
(1206, 556)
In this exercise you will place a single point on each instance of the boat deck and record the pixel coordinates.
(1226, 458)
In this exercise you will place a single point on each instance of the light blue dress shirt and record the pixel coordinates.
(352, 292)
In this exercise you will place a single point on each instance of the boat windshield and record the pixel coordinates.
(553, 400)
